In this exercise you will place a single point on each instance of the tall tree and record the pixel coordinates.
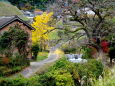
(93, 16)
(41, 25)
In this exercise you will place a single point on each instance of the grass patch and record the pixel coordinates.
(42, 55)
(6, 9)
(108, 78)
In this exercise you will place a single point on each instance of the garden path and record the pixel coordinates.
(36, 66)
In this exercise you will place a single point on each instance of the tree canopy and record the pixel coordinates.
(41, 4)
(41, 25)
(93, 17)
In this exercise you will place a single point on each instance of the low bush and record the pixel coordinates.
(17, 68)
(89, 71)
(69, 50)
(18, 60)
(57, 78)
(13, 82)
(92, 68)
(86, 52)
(35, 50)
(108, 78)
(6, 71)
(12, 65)
(62, 73)
(80, 72)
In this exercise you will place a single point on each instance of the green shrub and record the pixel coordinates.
(57, 78)
(20, 81)
(18, 60)
(91, 69)
(86, 52)
(17, 68)
(13, 82)
(63, 63)
(108, 78)
(69, 50)
(35, 50)
(17, 63)
(62, 73)
(4, 70)
(11, 40)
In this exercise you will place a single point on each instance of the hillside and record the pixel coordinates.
(6, 9)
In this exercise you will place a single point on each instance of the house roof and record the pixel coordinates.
(4, 21)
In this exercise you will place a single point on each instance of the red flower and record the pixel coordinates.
(105, 46)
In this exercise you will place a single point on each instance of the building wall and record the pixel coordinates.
(25, 28)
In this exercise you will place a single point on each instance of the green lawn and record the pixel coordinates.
(42, 55)
(6, 9)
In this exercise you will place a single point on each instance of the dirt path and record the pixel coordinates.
(36, 66)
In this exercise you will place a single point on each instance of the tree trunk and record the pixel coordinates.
(111, 61)
(102, 56)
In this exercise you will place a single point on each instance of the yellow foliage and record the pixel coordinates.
(59, 52)
(43, 53)
(41, 27)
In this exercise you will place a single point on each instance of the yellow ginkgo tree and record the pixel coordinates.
(41, 25)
